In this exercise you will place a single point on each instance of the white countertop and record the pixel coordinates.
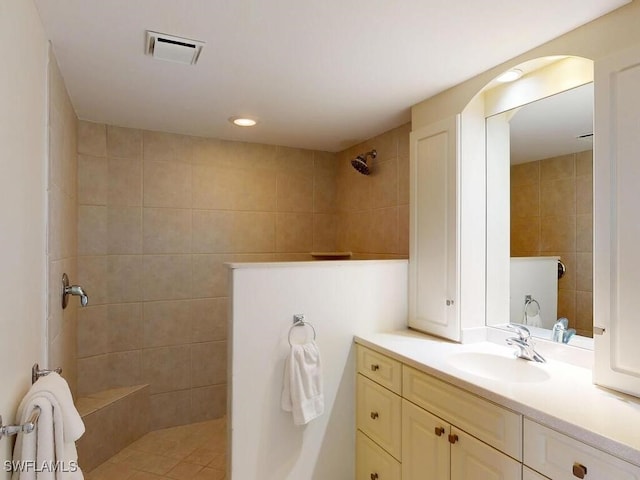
(567, 401)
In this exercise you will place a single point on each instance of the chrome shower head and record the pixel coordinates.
(360, 162)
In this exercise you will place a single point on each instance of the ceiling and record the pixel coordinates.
(322, 75)
(550, 127)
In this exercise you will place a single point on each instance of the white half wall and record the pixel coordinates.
(340, 299)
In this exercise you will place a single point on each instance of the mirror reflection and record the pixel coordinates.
(550, 203)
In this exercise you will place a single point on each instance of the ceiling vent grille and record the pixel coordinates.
(173, 49)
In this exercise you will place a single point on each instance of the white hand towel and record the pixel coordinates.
(302, 389)
(51, 446)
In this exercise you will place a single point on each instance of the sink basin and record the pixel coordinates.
(499, 367)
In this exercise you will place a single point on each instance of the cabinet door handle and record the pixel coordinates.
(453, 438)
(374, 415)
(374, 476)
(439, 431)
(375, 367)
(579, 470)
(449, 303)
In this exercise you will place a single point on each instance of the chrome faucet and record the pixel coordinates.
(76, 290)
(561, 332)
(524, 344)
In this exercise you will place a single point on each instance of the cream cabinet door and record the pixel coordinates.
(617, 229)
(473, 460)
(425, 447)
(528, 474)
(433, 265)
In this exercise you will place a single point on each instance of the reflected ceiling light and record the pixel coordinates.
(510, 75)
(243, 121)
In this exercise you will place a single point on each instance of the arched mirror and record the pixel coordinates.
(540, 214)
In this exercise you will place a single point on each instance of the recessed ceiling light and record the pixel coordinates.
(243, 121)
(510, 75)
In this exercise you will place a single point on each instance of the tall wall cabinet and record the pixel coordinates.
(433, 266)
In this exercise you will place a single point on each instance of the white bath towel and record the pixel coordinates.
(302, 389)
(49, 452)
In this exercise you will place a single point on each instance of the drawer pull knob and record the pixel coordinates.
(374, 476)
(375, 367)
(453, 438)
(374, 415)
(439, 431)
(579, 470)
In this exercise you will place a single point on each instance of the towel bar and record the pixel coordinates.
(36, 373)
(299, 321)
(28, 427)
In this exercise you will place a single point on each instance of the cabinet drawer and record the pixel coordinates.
(495, 425)
(374, 462)
(380, 368)
(557, 456)
(528, 474)
(379, 415)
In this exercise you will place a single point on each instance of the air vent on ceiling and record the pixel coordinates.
(173, 49)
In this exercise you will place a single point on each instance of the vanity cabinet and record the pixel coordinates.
(433, 265)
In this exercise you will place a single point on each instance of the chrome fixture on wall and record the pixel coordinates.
(360, 162)
(72, 290)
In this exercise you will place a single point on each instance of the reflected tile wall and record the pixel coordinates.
(159, 215)
(552, 214)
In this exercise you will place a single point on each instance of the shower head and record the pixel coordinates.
(360, 162)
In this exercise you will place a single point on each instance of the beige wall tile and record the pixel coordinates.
(164, 147)
(324, 194)
(167, 368)
(124, 278)
(558, 197)
(124, 142)
(124, 227)
(525, 174)
(210, 275)
(384, 185)
(93, 328)
(208, 402)
(567, 306)
(209, 319)
(325, 164)
(167, 185)
(93, 374)
(92, 139)
(124, 183)
(384, 230)
(227, 232)
(125, 328)
(584, 194)
(167, 323)
(294, 232)
(353, 191)
(568, 281)
(386, 146)
(294, 192)
(208, 363)
(403, 181)
(525, 235)
(92, 275)
(256, 156)
(167, 277)
(324, 232)
(584, 163)
(584, 233)
(558, 234)
(584, 311)
(171, 409)
(294, 160)
(92, 180)
(557, 168)
(403, 229)
(92, 230)
(584, 272)
(125, 368)
(55, 227)
(402, 134)
(167, 230)
(525, 200)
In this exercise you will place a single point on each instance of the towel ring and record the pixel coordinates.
(298, 321)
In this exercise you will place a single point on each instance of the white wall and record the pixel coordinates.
(340, 299)
(23, 64)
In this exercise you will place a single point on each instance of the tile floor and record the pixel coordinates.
(189, 452)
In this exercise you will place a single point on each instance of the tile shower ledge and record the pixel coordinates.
(567, 401)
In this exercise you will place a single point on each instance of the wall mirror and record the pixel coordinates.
(540, 216)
